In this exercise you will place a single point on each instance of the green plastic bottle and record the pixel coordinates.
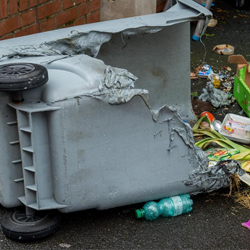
(168, 207)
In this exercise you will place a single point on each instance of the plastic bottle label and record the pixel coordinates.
(178, 206)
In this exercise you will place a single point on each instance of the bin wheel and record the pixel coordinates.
(22, 76)
(16, 225)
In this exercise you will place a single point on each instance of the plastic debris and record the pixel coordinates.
(205, 71)
(222, 76)
(217, 97)
(212, 136)
(227, 86)
(216, 125)
(246, 224)
(224, 49)
(168, 207)
(240, 161)
(220, 154)
(236, 128)
(209, 116)
(215, 79)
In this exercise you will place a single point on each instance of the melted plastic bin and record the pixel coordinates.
(106, 129)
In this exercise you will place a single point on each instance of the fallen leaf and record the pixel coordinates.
(227, 68)
(206, 34)
(240, 15)
(209, 200)
(212, 23)
(64, 245)
(199, 67)
(193, 75)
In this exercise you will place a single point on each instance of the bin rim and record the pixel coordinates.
(182, 11)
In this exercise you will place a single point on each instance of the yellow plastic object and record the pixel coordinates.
(216, 81)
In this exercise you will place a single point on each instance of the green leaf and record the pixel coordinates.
(208, 35)
(215, 135)
(194, 94)
(202, 142)
(222, 143)
(207, 133)
(241, 156)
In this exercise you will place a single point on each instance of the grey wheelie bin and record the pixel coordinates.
(92, 117)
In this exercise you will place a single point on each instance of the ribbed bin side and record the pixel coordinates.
(35, 156)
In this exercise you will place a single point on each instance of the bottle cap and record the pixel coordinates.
(139, 213)
(196, 38)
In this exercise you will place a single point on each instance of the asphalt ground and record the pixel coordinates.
(214, 223)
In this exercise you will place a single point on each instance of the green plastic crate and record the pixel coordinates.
(241, 90)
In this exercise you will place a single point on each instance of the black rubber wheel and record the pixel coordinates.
(16, 225)
(22, 76)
